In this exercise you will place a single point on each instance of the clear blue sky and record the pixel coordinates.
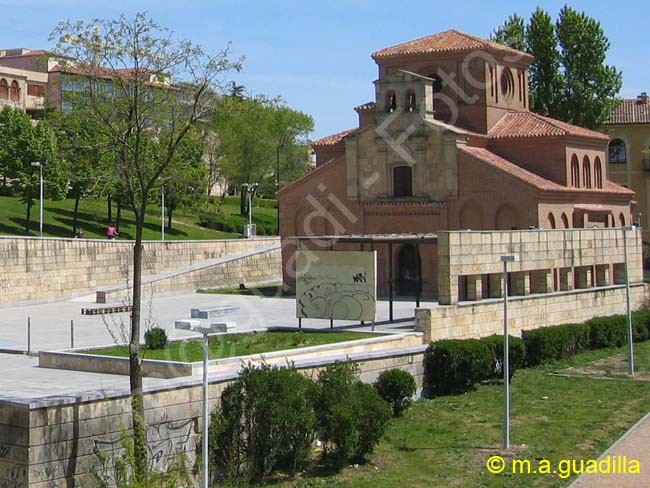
(316, 53)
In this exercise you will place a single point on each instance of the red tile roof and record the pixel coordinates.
(631, 111)
(532, 178)
(333, 139)
(447, 41)
(529, 124)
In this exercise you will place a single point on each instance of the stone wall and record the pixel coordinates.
(50, 268)
(479, 319)
(548, 260)
(56, 439)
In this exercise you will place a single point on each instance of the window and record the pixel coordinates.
(575, 172)
(391, 101)
(598, 173)
(586, 172)
(4, 89)
(507, 83)
(617, 152)
(551, 221)
(14, 91)
(565, 221)
(35, 90)
(410, 101)
(402, 181)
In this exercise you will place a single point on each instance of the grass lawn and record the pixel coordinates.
(446, 441)
(270, 290)
(57, 220)
(231, 345)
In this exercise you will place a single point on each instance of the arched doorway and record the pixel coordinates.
(408, 270)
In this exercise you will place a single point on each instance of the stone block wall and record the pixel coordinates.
(473, 320)
(55, 440)
(50, 268)
(546, 253)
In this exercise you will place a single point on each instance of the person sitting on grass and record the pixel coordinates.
(111, 232)
(80, 234)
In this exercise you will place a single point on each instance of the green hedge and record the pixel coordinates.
(455, 366)
(234, 223)
(257, 202)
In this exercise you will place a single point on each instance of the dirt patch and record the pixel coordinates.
(610, 367)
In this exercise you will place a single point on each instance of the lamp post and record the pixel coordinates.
(250, 188)
(162, 215)
(40, 167)
(194, 326)
(508, 258)
(627, 303)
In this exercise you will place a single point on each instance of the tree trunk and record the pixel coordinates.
(109, 214)
(28, 216)
(170, 209)
(118, 218)
(75, 212)
(135, 363)
(242, 202)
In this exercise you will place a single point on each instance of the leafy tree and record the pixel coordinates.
(23, 142)
(145, 89)
(512, 33)
(568, 78)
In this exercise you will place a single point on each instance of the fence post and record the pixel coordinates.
(29, 336)
(71, 334)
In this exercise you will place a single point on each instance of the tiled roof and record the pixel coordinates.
(366, 106)
(529, 124)
(534, 179)
(631, 111)
(333, 139)
(447, 41)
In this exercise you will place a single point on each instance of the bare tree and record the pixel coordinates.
(146, 89)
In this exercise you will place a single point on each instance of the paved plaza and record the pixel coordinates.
(50, 330)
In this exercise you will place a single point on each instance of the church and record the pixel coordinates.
(449, 143)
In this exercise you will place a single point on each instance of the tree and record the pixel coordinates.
(568, 78)
(22, 143)
(512, 33)
(145, 89)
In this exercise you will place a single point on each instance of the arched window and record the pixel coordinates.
(617, 152)
(391, 101)
(551, 221)
(565, 221)
(621, 219)
(598, 173)
(4, 89)
(410, 101)
(575, 172)
(14, 91)
(586, 172)
(402, 181)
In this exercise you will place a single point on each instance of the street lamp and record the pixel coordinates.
(195, 326)
(162, 215)
(40, 167)
(508, 258)
(250, 188)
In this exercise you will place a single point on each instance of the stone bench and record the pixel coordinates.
(213, 312)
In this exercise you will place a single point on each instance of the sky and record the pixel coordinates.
(316, 53)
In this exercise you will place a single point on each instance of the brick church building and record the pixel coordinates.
(450, 143)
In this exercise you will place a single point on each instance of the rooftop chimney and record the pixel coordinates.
(642, 99)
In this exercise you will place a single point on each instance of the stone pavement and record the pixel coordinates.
(50, 322)
(634, 444)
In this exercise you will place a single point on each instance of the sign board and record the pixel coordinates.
(339, 285)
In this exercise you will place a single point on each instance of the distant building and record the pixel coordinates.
(450, 143)
(629, 153)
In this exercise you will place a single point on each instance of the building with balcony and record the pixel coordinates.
(629, 153)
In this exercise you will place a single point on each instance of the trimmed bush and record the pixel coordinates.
(516, 356)
(265, 423)
(552, 343)
(397, 387)
(155, 338)
(608, 331)
(350, 415)
(454, 366)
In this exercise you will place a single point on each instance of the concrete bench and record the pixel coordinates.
(224, 326)
(213, 312)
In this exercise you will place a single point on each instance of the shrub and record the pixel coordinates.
(350, 416)
(265, 423)
(396, 387)
(551, 343)
(516, 356)
(454, 366)
(155, 338)
(608, 331)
